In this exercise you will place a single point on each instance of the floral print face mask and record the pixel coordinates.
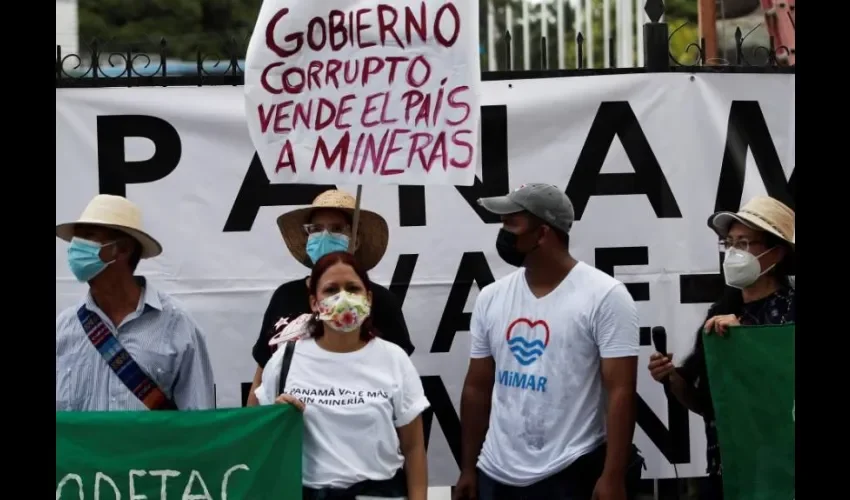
(344, 312)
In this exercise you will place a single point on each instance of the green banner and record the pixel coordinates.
(234, 454)
(751, 375)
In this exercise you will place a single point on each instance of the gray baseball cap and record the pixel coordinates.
(545, 201)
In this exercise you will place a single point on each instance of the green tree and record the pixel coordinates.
(680, 16)
(189, 26)
(210, 27)
(518, 36)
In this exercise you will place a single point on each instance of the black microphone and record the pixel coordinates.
(659, 338)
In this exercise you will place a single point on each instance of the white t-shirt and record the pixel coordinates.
(549, 405)
(353, 403)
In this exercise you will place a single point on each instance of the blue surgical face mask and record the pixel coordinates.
(321, 244)
(84, 258)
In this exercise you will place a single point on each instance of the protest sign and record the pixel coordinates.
(203, 455)
(751, 375)
(360, 91)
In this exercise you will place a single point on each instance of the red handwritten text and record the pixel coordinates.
(339, 29)
(384, 114)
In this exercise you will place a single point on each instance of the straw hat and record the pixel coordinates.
(762, 213)
(114, 212)
(373, 233)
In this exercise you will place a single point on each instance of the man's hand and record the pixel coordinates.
(289, 399)
(609, 488)
(661, 366)
(467, 486)
(720, 324)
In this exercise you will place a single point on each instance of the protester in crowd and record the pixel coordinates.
(126, 345)
(361, 396)
(549, 342)
(311, 233)
(759, 261)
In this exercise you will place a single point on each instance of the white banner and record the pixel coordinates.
(644, 158)
(365, 92)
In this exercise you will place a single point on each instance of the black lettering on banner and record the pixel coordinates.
(256, 191)
(617, 119)
(473, 268)
(494, 173)
(674, 443)
(608, 258)
(403, 275)
(701, 288)
(747, 130)
(245, 388)
(114, 171)
(442, 408)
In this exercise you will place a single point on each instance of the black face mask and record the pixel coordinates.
(506, 246)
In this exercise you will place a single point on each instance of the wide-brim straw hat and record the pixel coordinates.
(113, 212)
(762, 213)
(373, 233)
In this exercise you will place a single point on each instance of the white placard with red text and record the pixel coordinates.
(365, 92)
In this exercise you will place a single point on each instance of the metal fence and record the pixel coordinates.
(106, 64)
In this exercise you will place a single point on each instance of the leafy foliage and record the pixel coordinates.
(208, 27)
(188, 25)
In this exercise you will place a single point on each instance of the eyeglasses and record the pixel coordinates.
(742, 244)
(331, 228)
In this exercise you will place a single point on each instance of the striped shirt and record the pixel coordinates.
(160, 335)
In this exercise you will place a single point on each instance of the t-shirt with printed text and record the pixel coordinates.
(548, 404)
(353, 404)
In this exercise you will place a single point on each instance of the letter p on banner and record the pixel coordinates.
(365, 92)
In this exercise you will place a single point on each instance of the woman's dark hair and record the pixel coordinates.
(314, 326)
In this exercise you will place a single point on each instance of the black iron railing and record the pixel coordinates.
(116, 64)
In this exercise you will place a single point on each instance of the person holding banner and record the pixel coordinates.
(310, 233)
(553, 370)
(758, 269)
(361, 395)
(126, 345)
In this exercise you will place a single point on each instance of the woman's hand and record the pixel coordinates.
(720, 324)
(289, 399)
(661, 366)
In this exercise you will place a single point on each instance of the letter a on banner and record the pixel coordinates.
(365, 92)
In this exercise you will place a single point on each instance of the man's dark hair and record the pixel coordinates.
(135, 255)
(562, 236)
(348, 217)
(135, 251)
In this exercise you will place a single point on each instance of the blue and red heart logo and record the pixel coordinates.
(527, 339)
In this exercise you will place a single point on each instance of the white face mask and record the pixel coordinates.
(741, 269)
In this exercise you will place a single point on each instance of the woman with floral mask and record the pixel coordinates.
(758, 267)
(310, 233)
(361, 395)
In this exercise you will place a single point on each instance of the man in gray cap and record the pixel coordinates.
(553, 365)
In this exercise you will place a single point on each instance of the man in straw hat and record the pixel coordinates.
(553, 368)
(126, 345)
(758, 266)
(311, 233)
